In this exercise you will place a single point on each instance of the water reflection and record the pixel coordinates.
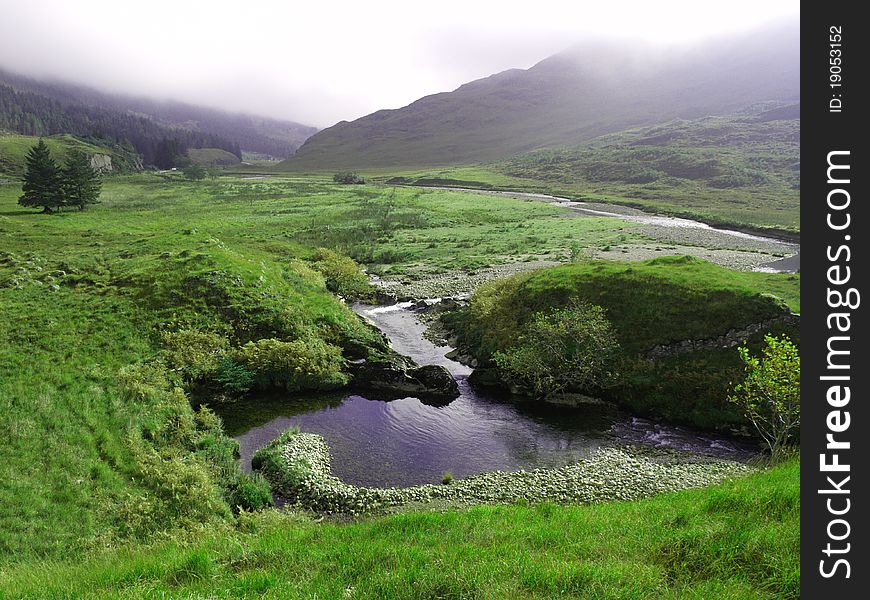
(405, 442)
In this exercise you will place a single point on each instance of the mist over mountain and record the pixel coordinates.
(35, 107)
(586, 91)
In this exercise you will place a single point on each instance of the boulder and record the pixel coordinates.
(432, 381)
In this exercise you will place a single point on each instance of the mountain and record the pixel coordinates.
(32, 107)
(567, 99)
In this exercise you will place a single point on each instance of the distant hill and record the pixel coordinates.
(33, 107)
(212, 156)
(740, 169)
(567, 99)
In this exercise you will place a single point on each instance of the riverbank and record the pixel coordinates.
(653, 235)
(298, 467)
(739, 539)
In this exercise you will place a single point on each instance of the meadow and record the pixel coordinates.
(737, 540)
(112, 485)
(737, 170)
(86, 294)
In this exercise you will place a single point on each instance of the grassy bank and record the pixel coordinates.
(736, 540)
(653, 303)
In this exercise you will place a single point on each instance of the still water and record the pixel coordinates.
(403, 442)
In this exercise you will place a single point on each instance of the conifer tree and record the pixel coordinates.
(81, 183)
(42, 185)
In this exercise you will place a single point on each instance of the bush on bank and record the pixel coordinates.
(186, 464)
(650, 304)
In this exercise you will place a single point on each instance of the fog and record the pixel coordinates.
(318, 63)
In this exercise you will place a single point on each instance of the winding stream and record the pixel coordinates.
(376, 442)
(408, 442)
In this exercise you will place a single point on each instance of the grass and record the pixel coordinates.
(734, 170)
(736, 540)
(85, 295)
(650, 303)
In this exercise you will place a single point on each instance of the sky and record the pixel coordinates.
(321, 62)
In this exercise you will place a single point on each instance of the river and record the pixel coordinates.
(375, 442)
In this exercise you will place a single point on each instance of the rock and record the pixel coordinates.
(101, 163)
(431, 381)
(485, 378)
(436, 381)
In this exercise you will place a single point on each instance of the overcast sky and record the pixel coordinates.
(319, 62)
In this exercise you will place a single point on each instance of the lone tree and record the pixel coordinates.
(80, 183)
(42, 180)
(770, 396)
(572, 348)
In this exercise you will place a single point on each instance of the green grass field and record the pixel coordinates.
(733, 170)
(92, 446)
(737, 540)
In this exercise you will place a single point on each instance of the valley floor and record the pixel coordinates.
(90, 446)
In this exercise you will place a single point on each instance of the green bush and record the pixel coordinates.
(343, 275)
(573, 348)
(233, 378)
(193, 353)
(250, 492)
(304, 364)
(347, 177)
(770, 395)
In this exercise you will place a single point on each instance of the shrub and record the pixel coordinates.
(250, 492)
(347, 177)
(233, 378)
(304, 364)
(195, 172)
(770, 394)
(343, 275)
(572, 348)
(193, 353)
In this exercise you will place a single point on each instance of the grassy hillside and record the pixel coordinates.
(85, 295)
(212, 156)
(92, 438)
(14, 149)
(736, 540)
(567, 99)
(741, 169)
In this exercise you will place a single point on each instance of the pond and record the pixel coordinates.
(406, 442)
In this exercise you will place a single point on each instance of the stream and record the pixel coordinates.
(375, 442)
(669, 226)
